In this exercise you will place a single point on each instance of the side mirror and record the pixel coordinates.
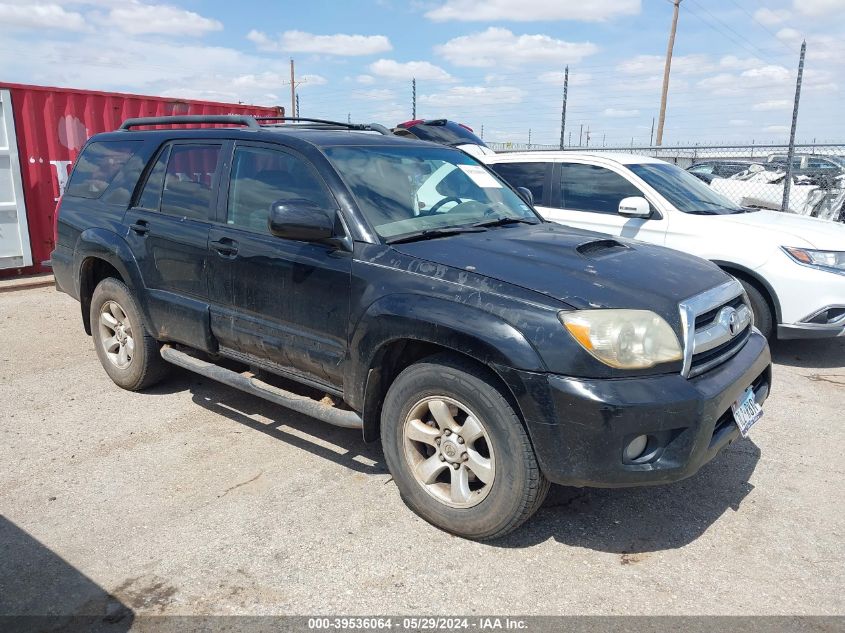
(634, 207)
(526, 195)
(300, 219)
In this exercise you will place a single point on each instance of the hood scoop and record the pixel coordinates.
(601, 248)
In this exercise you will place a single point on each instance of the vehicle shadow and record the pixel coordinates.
(633, 521)
(40, 591)
(295, 429)
(813, 354)
(625, 521)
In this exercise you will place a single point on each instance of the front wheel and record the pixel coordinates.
(763, 317)
(457, 450)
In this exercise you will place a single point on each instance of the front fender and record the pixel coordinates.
(468, 330)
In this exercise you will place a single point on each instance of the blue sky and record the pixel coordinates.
(494, 63)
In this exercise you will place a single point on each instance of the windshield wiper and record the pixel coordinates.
(503, 221)
(428, 234)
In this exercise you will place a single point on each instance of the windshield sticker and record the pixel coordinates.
(480, 176)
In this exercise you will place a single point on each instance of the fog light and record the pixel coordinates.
(636, 447)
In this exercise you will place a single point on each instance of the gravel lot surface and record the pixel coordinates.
(193, 498)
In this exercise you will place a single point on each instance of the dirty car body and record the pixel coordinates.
(407, 272)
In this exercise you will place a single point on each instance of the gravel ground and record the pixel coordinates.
(193, 498)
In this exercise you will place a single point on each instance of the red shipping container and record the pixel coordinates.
(42, 130)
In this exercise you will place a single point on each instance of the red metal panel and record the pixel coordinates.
(52, 125)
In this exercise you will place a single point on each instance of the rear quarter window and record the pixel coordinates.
(98, 167)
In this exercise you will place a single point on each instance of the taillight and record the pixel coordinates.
(466, 127)
(411, 123)
(56, 223)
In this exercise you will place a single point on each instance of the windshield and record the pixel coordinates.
(445, 133)
(686, 192)
(414, 190)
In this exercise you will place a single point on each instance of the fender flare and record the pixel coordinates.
(468, 330)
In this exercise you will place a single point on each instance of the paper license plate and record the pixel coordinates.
(746, 412)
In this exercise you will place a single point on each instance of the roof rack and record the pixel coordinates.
(325, 124)
(230, 119)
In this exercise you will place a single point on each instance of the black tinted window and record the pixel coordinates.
(97, 167)
(445, 132)
(260, 177)
(151, 196)
(592, 188)
(188, 180)
(532, 176)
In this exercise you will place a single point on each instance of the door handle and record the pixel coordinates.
(225, 246)
(140, 227)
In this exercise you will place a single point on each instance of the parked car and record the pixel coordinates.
(491, 351)
(792, 268)
(446, 133)
(810, 163)
(707, 170)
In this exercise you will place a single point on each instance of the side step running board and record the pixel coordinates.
(301, 404)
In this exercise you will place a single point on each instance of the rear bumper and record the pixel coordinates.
(61, 260)
(580, 427)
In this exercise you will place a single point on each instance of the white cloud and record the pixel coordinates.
(615, 113)
(365, 79)
(732, 62)
(775, 104)
(337, 44)
(556, 77)
(654, 64)
(40, 16)
(376, 94)
(739, 122)
(766, 78)
(771, 17)
(820, 8)
(532, 10)
(776, 129)
(473, 95)
(425, 71)
(137, 18)
(500, 47)
(312, 80)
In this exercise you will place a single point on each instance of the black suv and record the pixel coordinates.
(491, 351)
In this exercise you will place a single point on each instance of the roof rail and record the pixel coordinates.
(231, 119)
(325, 124)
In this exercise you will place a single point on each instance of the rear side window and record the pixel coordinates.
(593, 188)
(181, 182)
(98, 167)
(260, 177)
(532, 176)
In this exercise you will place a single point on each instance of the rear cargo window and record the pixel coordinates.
(98, 165)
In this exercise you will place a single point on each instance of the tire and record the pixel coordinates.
(444, 392)
(130, 356)
(763, 318)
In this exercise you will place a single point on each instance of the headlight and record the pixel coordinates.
(625, 339)
(827, 260)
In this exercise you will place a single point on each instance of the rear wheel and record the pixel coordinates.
(457, 450)
(763, 318)
(126, 351)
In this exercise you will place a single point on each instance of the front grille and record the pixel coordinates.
(716, 325)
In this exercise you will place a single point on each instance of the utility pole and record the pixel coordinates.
(581, 135)
(570, 138)
(529, 138)
(413, 98)
(482, 131)
(588, 136)
(651, 138)
(297, 105)
(787, 181)
(603, 139)
(349, 117)
(292, 88)
(563, 108)
(666, 69)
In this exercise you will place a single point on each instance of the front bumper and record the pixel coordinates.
(580, 427)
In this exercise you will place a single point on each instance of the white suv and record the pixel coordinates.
(792, 267)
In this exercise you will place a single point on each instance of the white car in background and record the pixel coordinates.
(792, 267)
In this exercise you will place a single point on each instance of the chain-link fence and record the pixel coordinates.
(752, 175)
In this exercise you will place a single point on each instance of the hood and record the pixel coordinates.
(580, 268)
(790, 229)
